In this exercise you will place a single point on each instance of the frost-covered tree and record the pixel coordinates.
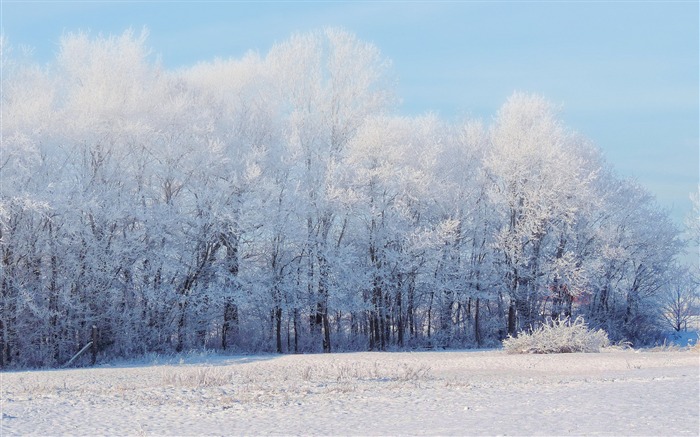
(679, 302)
(539, 181)
(632, 246)
(329, 82)
(275, 203)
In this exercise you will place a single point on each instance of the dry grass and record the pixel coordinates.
(292, 382)
(198, 377)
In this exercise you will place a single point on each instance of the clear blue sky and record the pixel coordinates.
(626, 73)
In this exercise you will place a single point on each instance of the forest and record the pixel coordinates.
(278, 203)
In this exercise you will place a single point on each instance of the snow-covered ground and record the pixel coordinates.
(421, 393)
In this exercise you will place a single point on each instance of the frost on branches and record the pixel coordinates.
(275, 203)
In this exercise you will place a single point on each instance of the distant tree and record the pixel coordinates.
(680, 303)
(635, 244)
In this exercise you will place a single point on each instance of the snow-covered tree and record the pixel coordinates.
(539, 181)
(274, 202)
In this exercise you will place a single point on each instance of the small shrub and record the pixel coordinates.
(559, 336)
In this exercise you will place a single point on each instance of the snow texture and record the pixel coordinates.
(422, 393)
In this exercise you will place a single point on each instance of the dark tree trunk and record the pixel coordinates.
(326, 332)
(182, 306)
(372, 345)
(477, 330)
(296, 330)
(229, 329)
(230, 326)
(511, 319)
(409, 311)
(430, 311)
(399, 315)
(94, 345)
(278, 329)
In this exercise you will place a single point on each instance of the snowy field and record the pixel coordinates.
(421, 393)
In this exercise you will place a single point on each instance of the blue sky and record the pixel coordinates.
(626, 73)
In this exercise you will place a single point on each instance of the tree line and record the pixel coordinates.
(276, 203)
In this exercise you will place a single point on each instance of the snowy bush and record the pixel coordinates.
(559, 336)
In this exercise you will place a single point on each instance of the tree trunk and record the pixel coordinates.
(409, 311)
(296, 330)
(511, 319)
(326, 332)
(230, 326)
(477, 330)
(430, 310)
(278, 329)
(94, 345)
(399, 315)
(182, 307)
